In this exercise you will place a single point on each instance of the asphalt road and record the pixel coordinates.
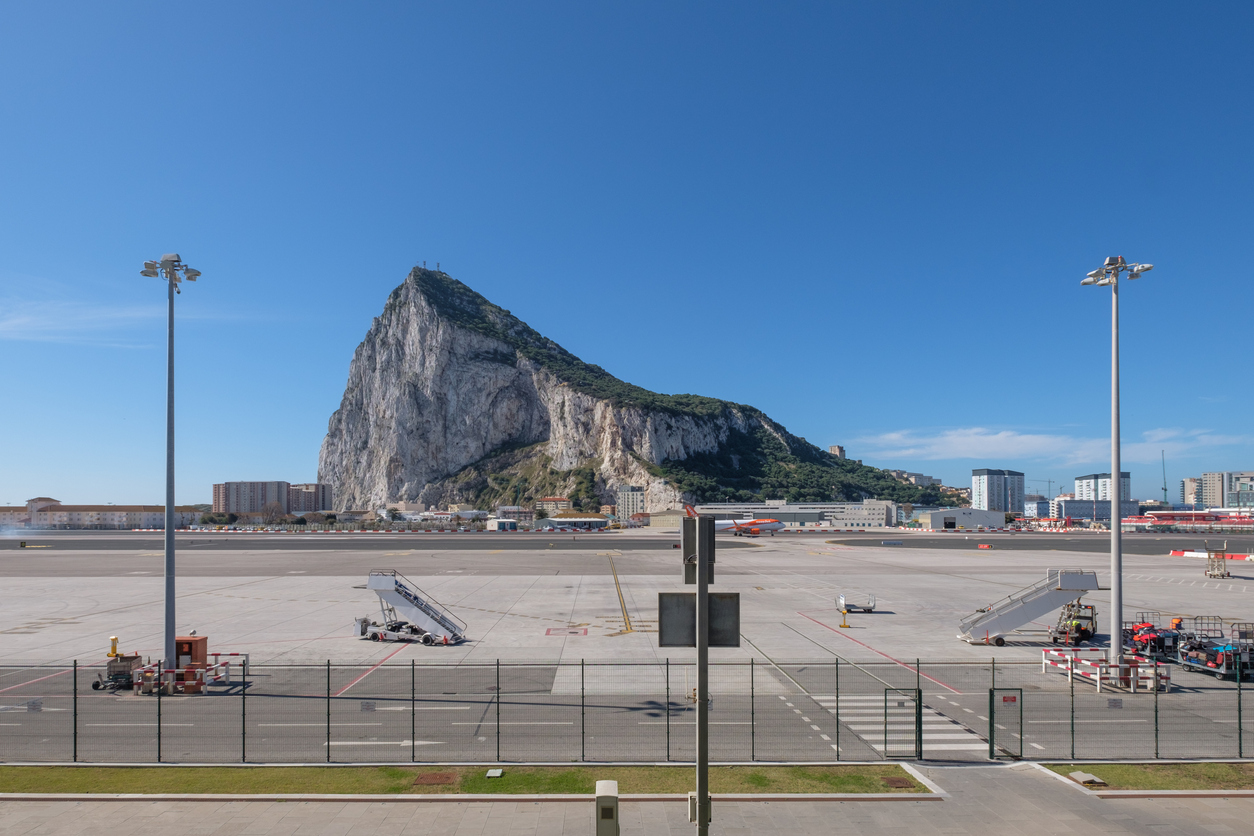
(135, 541)
(1133, 543)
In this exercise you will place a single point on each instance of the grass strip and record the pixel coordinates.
(1166, 776)
(526, 780)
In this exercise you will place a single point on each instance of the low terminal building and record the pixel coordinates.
(670, 518)
(46, 512)
(868, 513)
(575, 519)
(967, 519)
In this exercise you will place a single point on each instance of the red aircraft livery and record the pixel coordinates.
(741, 527)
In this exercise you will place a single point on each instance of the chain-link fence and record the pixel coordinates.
(623, 712)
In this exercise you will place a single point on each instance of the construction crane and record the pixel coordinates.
(1165, 502)
(1049, 486)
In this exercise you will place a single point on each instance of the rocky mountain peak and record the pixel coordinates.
(451, 398)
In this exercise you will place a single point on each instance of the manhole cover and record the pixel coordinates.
(898, 783)
(428, 778)
(566, 631)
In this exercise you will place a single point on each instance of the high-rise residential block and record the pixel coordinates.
(630, 501)
(251, 497)
(997, 490)
(1228, 489)
(309, 497)
(1191, 491)
(1096, 486)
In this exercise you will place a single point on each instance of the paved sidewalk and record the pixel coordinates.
(983, 800)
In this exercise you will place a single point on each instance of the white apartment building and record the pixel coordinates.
(997, 490)
(1191, 491)
(630, 501)
(1096, 486)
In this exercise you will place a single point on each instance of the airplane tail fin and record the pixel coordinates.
(690, 511)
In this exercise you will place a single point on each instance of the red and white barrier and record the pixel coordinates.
(1202, 554)
(1090, 664)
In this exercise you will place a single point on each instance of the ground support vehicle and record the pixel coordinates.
(854, 602)
(393, 631)
(1147, 636)
(1077, 623)
(408, 613)
(119, 673)
(1222, 658)
(991, 624)
(1216, 560)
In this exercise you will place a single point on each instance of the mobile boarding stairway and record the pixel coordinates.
(992, 623)
(403, 603)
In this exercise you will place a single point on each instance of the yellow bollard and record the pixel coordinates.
(844, 618)
(113, 646)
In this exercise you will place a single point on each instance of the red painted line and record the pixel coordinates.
(33, 681)
(881, 653)
(372, 670)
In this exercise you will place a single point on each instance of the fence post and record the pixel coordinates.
(160, 687)
(837, 708)
(498, 710)
(75, 744)
(668, 708)
(582, 712)
(1155, 663)
(992, 725)
(413, 711)
(243, 721)
(1071, 680)
(1240, 728)
(753, 727)
(328, 711)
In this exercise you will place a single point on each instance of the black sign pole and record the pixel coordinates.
(705, 551)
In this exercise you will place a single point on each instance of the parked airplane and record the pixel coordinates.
(741, 527)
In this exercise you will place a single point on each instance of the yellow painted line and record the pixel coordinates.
(621, 602)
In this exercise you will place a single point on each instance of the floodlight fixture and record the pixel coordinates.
(150, 272)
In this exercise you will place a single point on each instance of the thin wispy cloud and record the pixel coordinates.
(990, 445)
(75, 322)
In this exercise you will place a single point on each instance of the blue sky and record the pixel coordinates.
(868, 219)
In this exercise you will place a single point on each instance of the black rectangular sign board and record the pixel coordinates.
(677, 619)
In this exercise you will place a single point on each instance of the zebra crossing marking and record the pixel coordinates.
(865, 717)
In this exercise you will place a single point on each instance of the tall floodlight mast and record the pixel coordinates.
(174, 271)
(1108, 274)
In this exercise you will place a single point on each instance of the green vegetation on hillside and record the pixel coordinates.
(765, 462)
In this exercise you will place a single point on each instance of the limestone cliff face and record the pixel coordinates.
(450, 398)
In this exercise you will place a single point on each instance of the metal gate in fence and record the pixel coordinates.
(903, 723)
(1005, 722)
